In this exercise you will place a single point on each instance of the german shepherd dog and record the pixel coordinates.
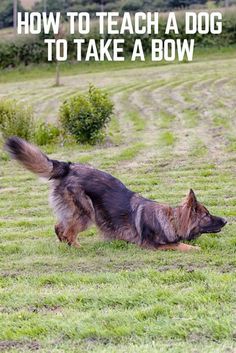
(82, 195)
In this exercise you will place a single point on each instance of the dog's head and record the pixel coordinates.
(196, 219)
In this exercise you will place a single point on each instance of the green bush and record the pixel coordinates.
(16, 119)
(86, 115)
(45, 133)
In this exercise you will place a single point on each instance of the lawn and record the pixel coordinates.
(173, 128)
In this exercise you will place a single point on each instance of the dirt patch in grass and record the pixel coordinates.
(46, 309)
(23, 345)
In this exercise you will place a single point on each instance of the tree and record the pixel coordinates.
(132, 5)
(184, 3)
(60, 35)
(14, 15)
(6, 13)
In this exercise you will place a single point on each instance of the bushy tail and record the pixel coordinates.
(35, 160)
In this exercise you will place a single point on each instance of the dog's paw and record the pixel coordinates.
(196, 248)
(186, 247)
(76, 245)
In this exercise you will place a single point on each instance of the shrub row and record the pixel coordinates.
(32, 49)
(26, 50)
(17, 119)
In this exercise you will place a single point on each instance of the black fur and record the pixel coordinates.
(60, 169)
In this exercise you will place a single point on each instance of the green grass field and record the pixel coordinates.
(174, 128)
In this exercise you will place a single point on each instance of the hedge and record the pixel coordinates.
(33, 50)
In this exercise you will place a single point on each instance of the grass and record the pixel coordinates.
(199, 149)
(167, 138)
(111, 296)
(191, 117)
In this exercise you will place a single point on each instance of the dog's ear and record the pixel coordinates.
(191, 200)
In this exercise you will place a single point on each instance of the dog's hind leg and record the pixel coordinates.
(59, 230)
(68, 233)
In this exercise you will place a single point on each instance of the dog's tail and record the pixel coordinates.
(35, 160)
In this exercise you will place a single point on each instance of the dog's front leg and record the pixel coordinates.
(178, 246)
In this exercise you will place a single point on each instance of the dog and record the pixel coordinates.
(82, 195)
